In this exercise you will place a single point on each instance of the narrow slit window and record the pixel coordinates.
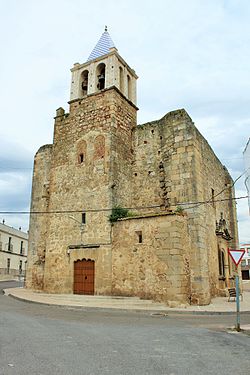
(9, 244)
(84, 218)
(213, 202)
(81, 158)
(21, 248)
(139, 236)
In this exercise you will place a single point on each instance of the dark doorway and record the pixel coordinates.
(84, 276)
(245, 275)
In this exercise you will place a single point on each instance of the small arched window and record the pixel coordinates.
(81, 152)
(100, 75)
(84, 82)
(81, 158)
(129, 86)
(121, 79)
(221, 259)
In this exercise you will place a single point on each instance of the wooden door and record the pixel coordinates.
(84, 276)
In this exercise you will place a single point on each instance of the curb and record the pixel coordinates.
(160, 313)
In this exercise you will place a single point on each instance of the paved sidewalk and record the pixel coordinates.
(219, 305)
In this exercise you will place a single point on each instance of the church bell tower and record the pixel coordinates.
(103, 69)
(84, 174)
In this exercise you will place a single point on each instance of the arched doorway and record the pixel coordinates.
(84, 276)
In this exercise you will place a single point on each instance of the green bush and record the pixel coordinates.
(179, 210)
(118, 213)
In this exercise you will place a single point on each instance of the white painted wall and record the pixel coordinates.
(12, 252)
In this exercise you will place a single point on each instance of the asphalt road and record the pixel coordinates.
(45, 340)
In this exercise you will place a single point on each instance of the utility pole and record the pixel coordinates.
(237, 256)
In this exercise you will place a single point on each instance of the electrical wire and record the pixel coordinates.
(212, 200)
(110, 209)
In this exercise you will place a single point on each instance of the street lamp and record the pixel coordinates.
(81, 225)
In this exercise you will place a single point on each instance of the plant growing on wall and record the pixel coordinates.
(118, 213)
(179, 210)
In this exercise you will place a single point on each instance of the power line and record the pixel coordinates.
(212, 201)
(110, 209)
(197, 204)
(75, 211)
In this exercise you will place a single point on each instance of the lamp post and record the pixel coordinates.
(81, 226)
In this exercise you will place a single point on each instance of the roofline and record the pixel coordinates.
(149, 215)
(16, 232)
(102, 91)
(113, 51)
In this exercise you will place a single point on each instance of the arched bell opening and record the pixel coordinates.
(121, 79)
(129, 87)
(100, 74)
(84, 82)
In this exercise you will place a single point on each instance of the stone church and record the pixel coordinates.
(125, 209)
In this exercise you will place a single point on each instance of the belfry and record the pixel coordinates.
(103, 69)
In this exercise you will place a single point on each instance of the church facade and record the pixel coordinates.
(125, 209)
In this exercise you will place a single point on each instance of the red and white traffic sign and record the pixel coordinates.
(236, 255)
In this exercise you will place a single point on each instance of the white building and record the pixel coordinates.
(13, 251)
(245, 263)
(246, 154)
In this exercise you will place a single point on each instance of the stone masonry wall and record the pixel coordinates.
(157, 268)
(215, 178)
(38, 230)
(89, 173)
(164, 164)
(174, 166)
(100, 159)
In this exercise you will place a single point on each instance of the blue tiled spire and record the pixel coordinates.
(103, 46)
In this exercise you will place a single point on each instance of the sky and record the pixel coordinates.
(188, 54)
